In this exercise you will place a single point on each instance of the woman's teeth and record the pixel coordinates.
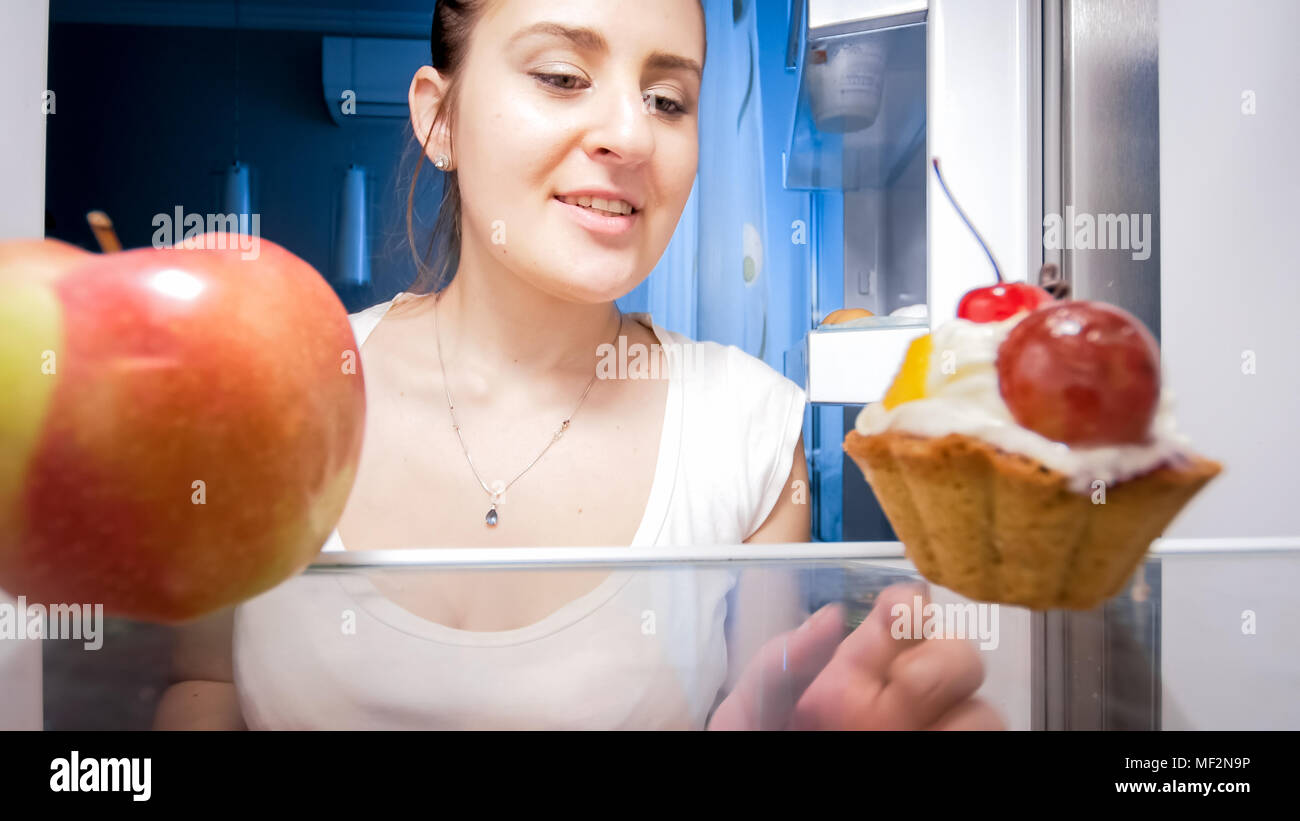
(613, 208)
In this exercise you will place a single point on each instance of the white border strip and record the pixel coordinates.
(1226, 545)
(796, 552)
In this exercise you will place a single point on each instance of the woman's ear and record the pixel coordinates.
(428, 90)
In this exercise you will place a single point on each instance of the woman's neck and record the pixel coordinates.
(491, 321)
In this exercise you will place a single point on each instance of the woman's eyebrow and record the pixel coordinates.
(588, 39)
(584, 39)
(664, 61)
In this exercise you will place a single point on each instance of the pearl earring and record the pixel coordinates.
(442, 162)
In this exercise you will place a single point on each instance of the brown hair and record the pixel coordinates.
(453, 20)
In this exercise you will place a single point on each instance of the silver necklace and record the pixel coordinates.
(495, 496)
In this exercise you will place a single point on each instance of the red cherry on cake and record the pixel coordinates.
(997, 302)
(1081, 372)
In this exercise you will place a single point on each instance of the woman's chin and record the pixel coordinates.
(591, 283)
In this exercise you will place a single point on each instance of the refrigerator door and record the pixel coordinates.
(23, 54)
(982, 117)
(983, 99)
(1102, 220)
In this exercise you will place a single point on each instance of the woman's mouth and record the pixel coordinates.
(610, 208)
(600, 215)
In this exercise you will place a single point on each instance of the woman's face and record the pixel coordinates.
(572, 113)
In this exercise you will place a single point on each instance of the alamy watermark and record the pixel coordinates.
(80, 622)
(77, 774)
(640, 361)
(235, 231)
(950, 621)
(1087, 232)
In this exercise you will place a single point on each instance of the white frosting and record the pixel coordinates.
(962, 396)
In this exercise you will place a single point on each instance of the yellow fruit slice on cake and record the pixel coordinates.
(909, 384)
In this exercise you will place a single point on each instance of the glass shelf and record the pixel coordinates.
(861, 109)
(1175, 650)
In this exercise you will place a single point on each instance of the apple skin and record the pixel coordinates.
(1081, 372)
(197, 439)
(43, 259)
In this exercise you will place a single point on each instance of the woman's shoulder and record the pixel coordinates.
(376, 310)
(729, 389)
(365, 320)
(730, 368)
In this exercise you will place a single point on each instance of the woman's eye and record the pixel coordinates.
(564, 82)
(662, 104)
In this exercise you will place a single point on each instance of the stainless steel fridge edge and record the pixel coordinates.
(1044, 123)
(1111, 153)
(1087, 671)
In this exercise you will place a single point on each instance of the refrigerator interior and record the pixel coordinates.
(857, 144)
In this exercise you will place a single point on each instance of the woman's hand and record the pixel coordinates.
(808, 679)
(202, 695)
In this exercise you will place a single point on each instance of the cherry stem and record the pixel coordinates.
(996, 270)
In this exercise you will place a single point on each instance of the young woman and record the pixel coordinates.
(568, 134)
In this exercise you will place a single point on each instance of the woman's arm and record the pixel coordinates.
(791, 518)
(202, 696)
(768, 601)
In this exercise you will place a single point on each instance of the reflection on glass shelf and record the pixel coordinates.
(860, 114)
(653, 638)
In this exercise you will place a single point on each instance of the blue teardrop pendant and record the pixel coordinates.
(491, 518)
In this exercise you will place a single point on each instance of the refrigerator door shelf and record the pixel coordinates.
(853, 365)
(831, 18)
(859, 111)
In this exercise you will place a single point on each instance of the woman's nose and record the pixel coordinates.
(622, 129)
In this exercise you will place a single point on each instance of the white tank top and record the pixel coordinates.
(646, 649)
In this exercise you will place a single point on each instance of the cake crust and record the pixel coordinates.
(1002, 527)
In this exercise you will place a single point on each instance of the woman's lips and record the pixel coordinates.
(598, 222)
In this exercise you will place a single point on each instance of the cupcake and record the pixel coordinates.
(1026, 452)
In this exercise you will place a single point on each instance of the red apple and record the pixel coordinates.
(39, 260)
(1081, 372)
(995, 303)
(180, 428)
